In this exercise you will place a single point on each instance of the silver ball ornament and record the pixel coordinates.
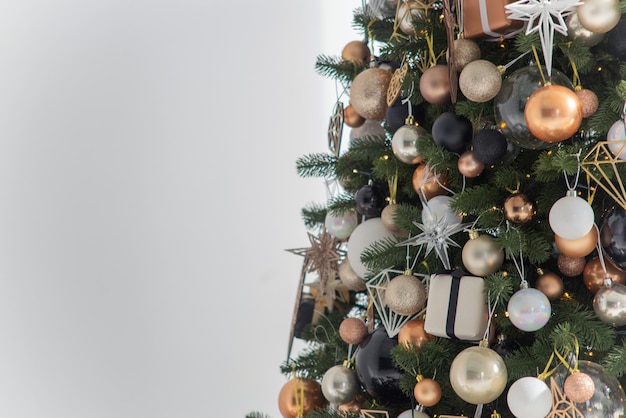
(599, 16)
(403, 143)
(340, 385)
(609, 304)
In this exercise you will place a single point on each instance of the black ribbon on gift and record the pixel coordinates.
(455, 285)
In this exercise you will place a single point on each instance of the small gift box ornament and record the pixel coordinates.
(488, 19)
(456, 307)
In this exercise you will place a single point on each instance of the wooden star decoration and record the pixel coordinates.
(561, 406)
(321, 257)
(371, 413)
(335, 129)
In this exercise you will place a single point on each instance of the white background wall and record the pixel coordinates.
(147, 194)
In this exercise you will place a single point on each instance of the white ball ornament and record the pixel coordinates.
(364, 235)
(529, 397)
(616, 138)
(529, 309)
(438, 209)
(341, 226)
(571, 217)
(413, 414)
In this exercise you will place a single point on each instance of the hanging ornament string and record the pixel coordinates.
(575, 77)
(601, 253)
(572, 369)
(576, 177)
(491, 310)
(519, 265)
(547, 372)
(392, 183)
(543, 78)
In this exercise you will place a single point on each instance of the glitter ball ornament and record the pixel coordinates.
(579, 387)
(341, 225)
(570, 266)
(403, 143)
(352, 330)
(588, 100)
(580, 247)
(519, 209)
(594, 275)
(413, 334)
(609, 304)
(435, 85)
(356, 51)
(478, 375)
(368, 93)
(616, 136)
(405, 294)
(489, 146)
(351, 118)
(388, 217)
(427, 392)
(550, 284)
(340, 384)
(349, 278)
(529, 397)
(553, 113)
(599, 16)
(481, 255)
(529, 309)
(480, 81)
(465, 51)
(452, 132)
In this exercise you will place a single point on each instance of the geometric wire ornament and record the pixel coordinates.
(371, 413)
(335, 129)
(561, 406)
(376, 290)
(603, 167)
(395, 84)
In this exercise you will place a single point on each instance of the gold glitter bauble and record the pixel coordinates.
(480, 81)
(405, 295)
(571, 266)
(356, 51)
(349, 277)
(368, 93)
(387, 216)
(427, 392)
(352, 330)
(550, 284)
(519, 209)
(435, 85)
(412, 333)
(579, 387)
(351, 118)
(580, 247)
(465, 51)
(588, 100)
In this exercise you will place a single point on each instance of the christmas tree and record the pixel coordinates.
(471, 258)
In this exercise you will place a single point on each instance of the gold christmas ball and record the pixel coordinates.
(481, 255)
(405, 294)
(480, 81)
(387, 216)
(351, 118)
(469, 165)
(519, 209)
(349, 278)
(588, 100)
(427, 392)
(580, 247)
(478, 375)
(290, 393)
(593, 275)
(550, 284)
(465, 51)
(599, 16)
(553, 113)
(425, 180)
(579, 387)
(352, 330)
(435, 85)
(570, 266)
(368, 93)
(356, 51)
(412, 333)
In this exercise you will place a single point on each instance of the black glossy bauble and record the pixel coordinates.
(452, 132)
(376, 371)
(617, 39)
(489, 146)
(398, 112)
(370, 199)
(613, 236)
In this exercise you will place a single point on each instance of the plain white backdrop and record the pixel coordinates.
(147, 195)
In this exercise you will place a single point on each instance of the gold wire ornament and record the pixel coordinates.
(335, 129)
(561, 406)
(604, 168)
(371, 413)
(395, 84)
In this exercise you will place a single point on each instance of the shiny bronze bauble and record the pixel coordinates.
(594, 275)
(356, 51)
(431, 184)
(435, 85)
(519, 208)
(550, 284)
(300, 392)
(580, 247)
(553, 113)
(427, 392)
(469, 165)
(351, 118)
(412, 333)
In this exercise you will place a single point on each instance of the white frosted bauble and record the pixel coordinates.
(571, 217)
(529, 397)
(437, 209)
(363, 236)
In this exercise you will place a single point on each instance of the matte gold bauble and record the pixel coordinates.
(469, 165)
(405, 294)
(349, 278)
(427, 392)
(579, 387)
(553, 113)
(368, 93)
(593, 275)
(519, 209)
(580, 247)
(480, 81)
(481, 255)
(465, 51)
(550, 284)
(412, 333)
(351, 118)
(356, 51)
(588, 100)
(599, 16)
(570, 266)
(352, 330)
(424, 179)
(305, 392)
(387, 216)
(435, 85)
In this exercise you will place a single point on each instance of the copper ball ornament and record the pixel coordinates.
(352, 330)
(579, 387)
(469, 165)
(413, 334)
(553, 113)
(589, 101)
(405, 294)
(351, 118)
(480, 81)
(427, 392)
(570, 266)
(435, 85)
(550, 284)
(368, 93)
(300, 393)
(424, 179)
(465, 51)
(356, 51)
(519, 208)
(594, 275)
(580, 247)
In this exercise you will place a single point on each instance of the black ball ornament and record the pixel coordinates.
(398, 112)
(370, 199)
(452, 132)
(489, 146)
(617, 39)
(613, 235)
